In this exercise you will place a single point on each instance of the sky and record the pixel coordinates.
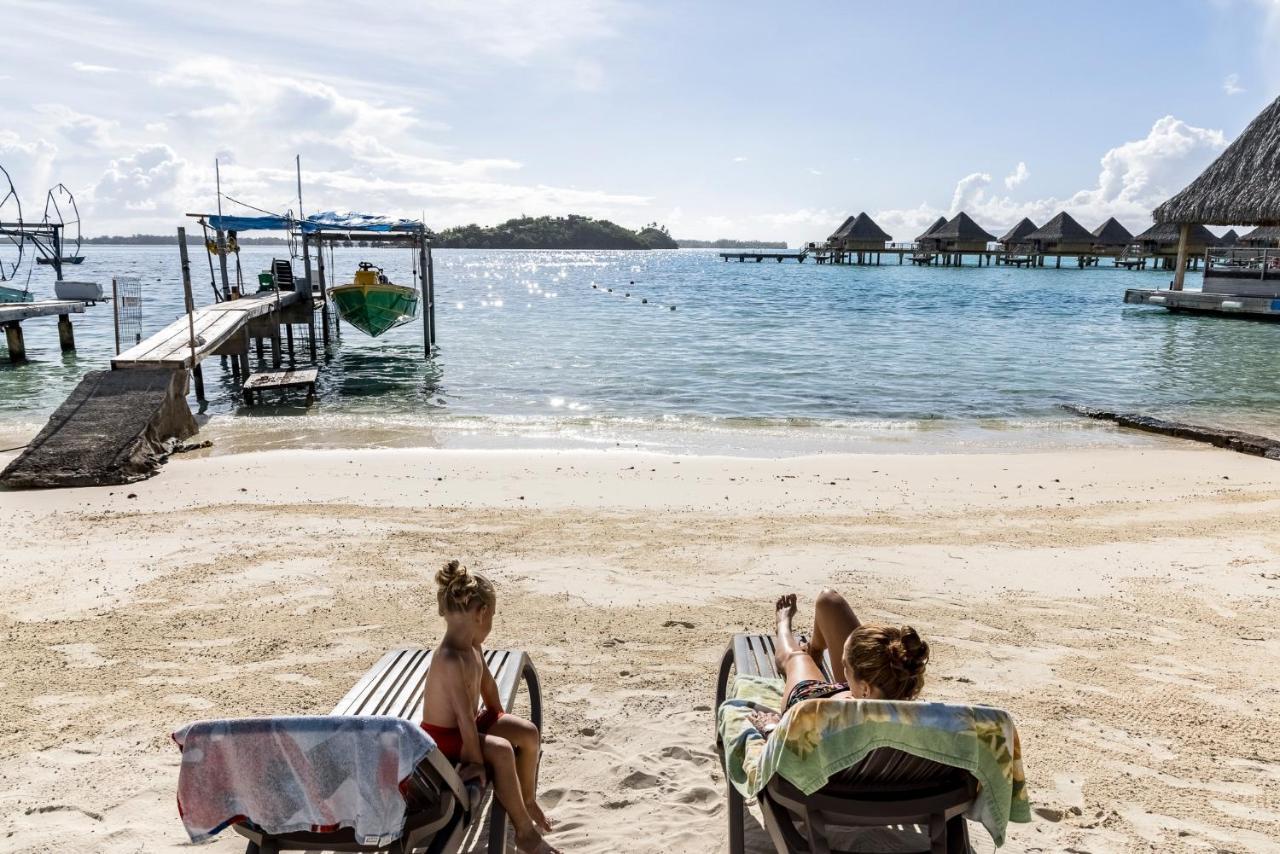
(746, 119)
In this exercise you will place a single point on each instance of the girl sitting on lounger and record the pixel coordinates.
(501, 744)
(870, 661)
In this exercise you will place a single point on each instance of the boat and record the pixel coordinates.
(14, 295)
(372, 303)
(66, 259)
(89, 291)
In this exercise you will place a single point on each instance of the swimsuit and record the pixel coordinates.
(449, 739)
(813, 689)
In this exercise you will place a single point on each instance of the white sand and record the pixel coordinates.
(1120, 603)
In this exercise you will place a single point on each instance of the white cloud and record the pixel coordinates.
(89, 68)
(145, 181)
(29, 165)
(717, 224)
(815, 172)
(1134, 178)
(81, 129)
(1017, 176)
(1232, 85)
(739, 159)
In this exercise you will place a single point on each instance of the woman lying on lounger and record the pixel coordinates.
(870, 661)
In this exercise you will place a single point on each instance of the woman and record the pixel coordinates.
(869, 661)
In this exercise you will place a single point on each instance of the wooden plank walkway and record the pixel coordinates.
(298, 378)
(214, 326)
(760, 256)
(12, 311)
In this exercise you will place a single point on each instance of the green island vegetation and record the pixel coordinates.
(731, 244)
(559, 232)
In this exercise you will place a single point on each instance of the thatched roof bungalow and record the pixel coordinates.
(1111, 236)
(834, 239)
(1262, 237)
(1162, 239)
(1018, 233)
(937, 224)
(959, 234)
(1061, 235)
(859, 234)
(1229, 239)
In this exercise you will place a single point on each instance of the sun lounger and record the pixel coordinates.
(887, 787)
(442, 815)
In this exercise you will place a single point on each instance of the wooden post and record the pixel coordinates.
(13, 338)
(1180, 273)
(222, 263)
(275, 340)
(115, 311)
(66, 337)
(324, 293)
(426, 283)
(197, 373)
(288, 331)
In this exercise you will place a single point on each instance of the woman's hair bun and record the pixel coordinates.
(908, 651)
(450, 573)
(891, 658)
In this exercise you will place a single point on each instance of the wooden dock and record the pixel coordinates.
(1254, 307)
(13, 313)
(761, 256)
(219, 329)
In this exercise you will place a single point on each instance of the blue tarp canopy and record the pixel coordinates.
(326, 221)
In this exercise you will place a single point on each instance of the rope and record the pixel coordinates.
(7, 450)
(250, 207)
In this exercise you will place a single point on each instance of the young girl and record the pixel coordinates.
(870, 661)
(503, 744)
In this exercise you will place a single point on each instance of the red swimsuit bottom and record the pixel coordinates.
(449, 739)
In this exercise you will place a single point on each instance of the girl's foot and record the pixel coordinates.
(533, 843)
(540, 819)
(786, 608)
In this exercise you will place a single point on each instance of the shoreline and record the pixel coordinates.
(1118, 602)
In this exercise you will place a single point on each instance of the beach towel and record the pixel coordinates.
(292, 774)
(818, 739)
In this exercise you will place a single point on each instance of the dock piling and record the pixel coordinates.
(66, 337)
(13, 338)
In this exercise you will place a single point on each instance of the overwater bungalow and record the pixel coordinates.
(1262, 237)
(1111, 237)
(1017, 235)
(859, 234)
(959, 234)
(1061, 235)
(1161, 239)
(1229, 239)
(937, 224)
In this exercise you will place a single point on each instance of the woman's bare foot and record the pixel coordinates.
(764, 722)
(786, 609)
(540, 819)
(533, 843)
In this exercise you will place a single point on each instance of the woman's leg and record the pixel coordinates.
(524, 737)
(794, 662)
(833, 622)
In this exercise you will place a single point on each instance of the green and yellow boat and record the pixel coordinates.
(372, 303)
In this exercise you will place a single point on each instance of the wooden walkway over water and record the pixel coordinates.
(761, 256)
(1255, 307)
(13, 313)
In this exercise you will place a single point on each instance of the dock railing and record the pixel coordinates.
(1243, 259)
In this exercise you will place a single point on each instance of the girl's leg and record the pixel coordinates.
(833, 622)
(792, 658)
(524, 737)
(500, 757)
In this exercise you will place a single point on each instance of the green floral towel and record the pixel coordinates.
(820, 738)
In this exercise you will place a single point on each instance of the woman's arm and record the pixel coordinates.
(489, 689)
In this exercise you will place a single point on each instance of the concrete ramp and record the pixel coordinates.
(115, 428)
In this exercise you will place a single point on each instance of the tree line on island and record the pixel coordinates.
(543, 232)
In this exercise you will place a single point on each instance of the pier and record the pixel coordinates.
(12, 315)
(1254, 307)
(761, 256)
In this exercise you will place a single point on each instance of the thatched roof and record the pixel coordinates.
(1262, 234)
(1061, 229)
(839, 233)
(1229, 239)
(960, 228)
(1167, 232)
(1019, 231)
(864, 228)
(1112, 233)
(928, 232)
(1241, 187)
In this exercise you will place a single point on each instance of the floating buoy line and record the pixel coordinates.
(627, 295)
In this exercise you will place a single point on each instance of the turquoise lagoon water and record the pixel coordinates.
(534, 350)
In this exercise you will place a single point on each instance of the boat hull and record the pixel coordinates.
(374, 309)
(77, 290)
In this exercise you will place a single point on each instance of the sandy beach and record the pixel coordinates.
(1121, 603)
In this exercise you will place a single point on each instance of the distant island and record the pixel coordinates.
(526, 232)
(731, 244)
(544, 232)
(560, 232)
